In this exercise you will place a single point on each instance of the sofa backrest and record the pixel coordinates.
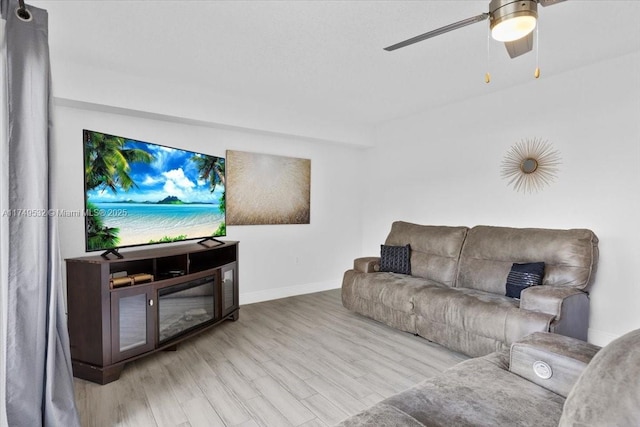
(608, 390)
(570, 256)
(435, 250)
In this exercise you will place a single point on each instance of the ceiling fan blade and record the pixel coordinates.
(439, 31)
(520, 46)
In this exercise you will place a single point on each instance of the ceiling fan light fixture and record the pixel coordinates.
(511, 20)
(514, 28)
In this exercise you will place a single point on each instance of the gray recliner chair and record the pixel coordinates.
(543, 380)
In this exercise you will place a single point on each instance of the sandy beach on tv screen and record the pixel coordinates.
(136, 237)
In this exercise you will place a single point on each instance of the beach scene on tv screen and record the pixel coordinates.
(140, 193)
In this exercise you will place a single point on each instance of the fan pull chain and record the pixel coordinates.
(536, 73)
(487, 76)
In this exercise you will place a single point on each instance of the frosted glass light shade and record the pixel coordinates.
(514, 28)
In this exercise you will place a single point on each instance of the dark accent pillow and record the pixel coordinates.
(522, 276)
(395, 259)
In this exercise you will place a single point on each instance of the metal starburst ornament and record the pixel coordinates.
(530, 165)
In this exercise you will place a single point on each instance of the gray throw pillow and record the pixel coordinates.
(395, 259)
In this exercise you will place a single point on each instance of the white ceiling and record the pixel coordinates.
(326, 58)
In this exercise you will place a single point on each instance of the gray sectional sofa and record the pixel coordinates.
(455, 294)
(505, 388)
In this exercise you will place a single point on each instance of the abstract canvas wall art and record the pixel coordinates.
(267, 189)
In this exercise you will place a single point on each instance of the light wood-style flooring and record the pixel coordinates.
(299, 361)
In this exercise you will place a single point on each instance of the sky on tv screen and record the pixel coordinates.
(172, 173)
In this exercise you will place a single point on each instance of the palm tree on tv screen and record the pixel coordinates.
(107, 162)
(100, 236)
(107, 165)
(211, 169)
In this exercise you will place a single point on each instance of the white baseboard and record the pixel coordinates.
(600, 338)
(288, 291)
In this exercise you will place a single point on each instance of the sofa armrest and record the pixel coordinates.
(551, 361)
(570, 307)
(367, 264)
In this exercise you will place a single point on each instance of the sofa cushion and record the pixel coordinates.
(382, 415)
(570, 256)
(435, 250)
(364, 294)
(396, 291)
(455, 317)
(480, 312)
(475, 392)
(608, 391)
(395, 259)
(523, 276)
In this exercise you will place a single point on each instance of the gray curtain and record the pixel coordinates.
(39, 382)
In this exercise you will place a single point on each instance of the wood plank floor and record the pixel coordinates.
(299, 361)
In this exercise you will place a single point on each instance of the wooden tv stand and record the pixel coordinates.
(123, 309)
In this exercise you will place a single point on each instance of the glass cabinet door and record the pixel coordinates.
(132, 321)
(185, 306)
(229, 298)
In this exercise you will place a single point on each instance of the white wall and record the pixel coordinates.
(276, 260)
(438, 167)
(183, 100)
(443, 167)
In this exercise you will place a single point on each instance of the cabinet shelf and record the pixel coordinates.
(173, 293)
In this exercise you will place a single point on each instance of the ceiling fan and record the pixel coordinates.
(510, 21)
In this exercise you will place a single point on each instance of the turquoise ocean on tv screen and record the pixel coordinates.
(141, 222)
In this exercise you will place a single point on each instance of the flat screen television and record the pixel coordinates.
(139, 193)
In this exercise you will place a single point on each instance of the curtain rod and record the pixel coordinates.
(22, 11)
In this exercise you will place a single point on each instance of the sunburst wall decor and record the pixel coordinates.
(530, 165)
